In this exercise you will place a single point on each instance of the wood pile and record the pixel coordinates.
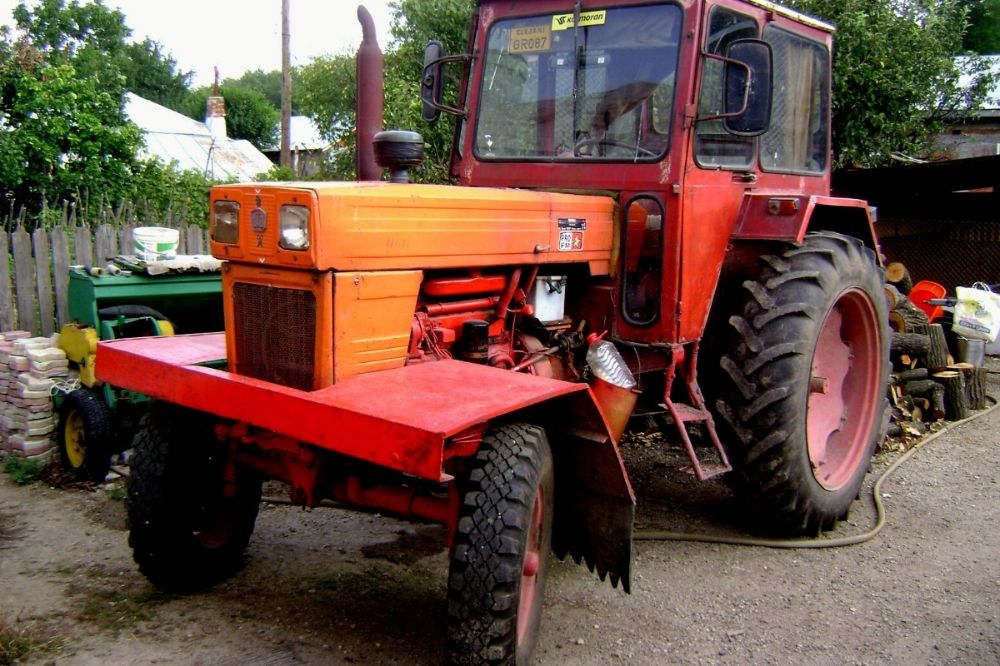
(926, 384)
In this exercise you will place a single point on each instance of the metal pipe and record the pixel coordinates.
(370, 98)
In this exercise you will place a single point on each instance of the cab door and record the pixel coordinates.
(721, 167)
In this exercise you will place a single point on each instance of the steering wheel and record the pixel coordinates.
(585, 145)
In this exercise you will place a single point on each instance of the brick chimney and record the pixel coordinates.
(215, 111)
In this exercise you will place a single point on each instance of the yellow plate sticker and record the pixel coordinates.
(530, 39)
(565, 21)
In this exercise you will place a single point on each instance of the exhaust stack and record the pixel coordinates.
(369, 98)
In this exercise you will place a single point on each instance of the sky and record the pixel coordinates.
(241, 35)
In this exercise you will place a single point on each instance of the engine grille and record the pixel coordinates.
(275, 334)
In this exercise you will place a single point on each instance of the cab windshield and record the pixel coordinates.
(602, 90)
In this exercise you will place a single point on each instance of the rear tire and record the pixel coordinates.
(504, 534)
(184, 532)
(85, 435)
(806, 382)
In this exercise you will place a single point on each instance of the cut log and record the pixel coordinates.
(910, 345)
(892, 296)
(975, 388)
(909, 375)
(896, 274)
(929, 395)
(955, 401)
(937, 356)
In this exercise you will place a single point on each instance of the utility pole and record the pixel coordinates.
(286, 88)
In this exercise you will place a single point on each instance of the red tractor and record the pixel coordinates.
(637, 184)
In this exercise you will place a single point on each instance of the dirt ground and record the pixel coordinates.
(333, 587)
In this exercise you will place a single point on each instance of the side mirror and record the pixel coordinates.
(747, 86)
(430, 84)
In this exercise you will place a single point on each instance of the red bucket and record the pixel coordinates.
(924, 291)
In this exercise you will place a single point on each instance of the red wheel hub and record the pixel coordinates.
(527, 605)
(846, 376)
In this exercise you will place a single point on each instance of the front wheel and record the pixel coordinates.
(502, 540)
(806, 381)
(85, 435)
(188, 526)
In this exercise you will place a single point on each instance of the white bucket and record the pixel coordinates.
(155, 243)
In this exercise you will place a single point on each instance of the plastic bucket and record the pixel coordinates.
(155, 243)
(924, 291)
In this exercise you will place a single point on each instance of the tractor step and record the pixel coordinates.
(681, 413)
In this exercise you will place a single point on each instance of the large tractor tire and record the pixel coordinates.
(805, 382)
(186, 533)
(504, 534)
(85, 435)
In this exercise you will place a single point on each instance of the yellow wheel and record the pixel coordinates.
(74, 447)
(85, 435)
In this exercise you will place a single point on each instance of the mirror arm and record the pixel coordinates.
(427, 79)
(746, 91)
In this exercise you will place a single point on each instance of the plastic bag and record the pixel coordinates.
(977, 313)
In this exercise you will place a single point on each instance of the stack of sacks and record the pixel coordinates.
(6, 408)
(34, 366)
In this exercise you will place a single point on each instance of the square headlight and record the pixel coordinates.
(294, 224)
(226, 222)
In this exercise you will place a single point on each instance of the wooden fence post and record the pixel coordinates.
(6, 303)
(24, 280)
(43, 281)
(83, 247)
(105, 244)
(60, 274)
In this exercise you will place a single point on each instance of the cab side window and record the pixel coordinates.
(798, 140)
(714, 147)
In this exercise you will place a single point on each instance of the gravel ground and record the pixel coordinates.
(330, 586)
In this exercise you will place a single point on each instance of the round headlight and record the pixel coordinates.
(294, 224)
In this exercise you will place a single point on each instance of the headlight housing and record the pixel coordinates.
(226, 222)
(294, 226)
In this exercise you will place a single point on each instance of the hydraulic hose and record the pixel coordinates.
(662, 535)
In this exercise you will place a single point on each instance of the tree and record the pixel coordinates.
(269, 84)
(983, 34)
(63, 131)
(895, 78)
(153, 74)
(249, 114)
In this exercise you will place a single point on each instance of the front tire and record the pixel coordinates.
(504, 533)
(806, 381)
(85, 435)
(186, 533)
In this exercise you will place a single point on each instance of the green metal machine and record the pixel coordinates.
(97, 420)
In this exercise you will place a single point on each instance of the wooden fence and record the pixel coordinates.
(34, 280)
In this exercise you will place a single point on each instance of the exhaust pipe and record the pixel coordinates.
(369, 99)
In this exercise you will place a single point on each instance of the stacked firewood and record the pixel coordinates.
(926, 384)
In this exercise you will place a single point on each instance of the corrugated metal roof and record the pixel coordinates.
(175, 138)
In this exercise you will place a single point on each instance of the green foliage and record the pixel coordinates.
(63, 133)
(327, 85)
(152, 74)
(895, 79)
(983, 35)
(249, 114)
(269, 85)
(21, 470)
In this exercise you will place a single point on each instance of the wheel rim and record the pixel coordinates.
(527, 604)
(74, 440)
(843, 389)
